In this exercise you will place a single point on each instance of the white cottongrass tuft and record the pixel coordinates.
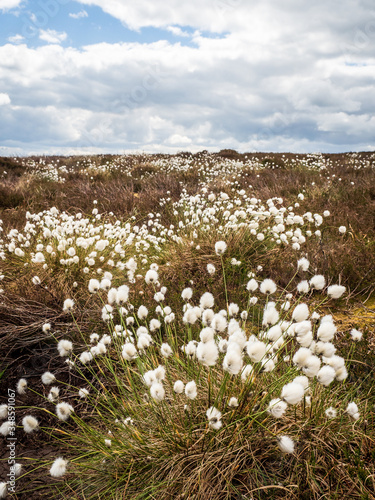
(311, 366)
(268, 286)
(3, 490)
(211, 269)
(64, 410)
(331, 412)
(207, 301)
(277, 407)
(157, 391)
(356, 334)
(64, 347)
(270, 315)
(129, 351)
(292, 393)
(326, 375)
(256, 350)
(68, 305)
(214, 418)
(233, 402)
(187, 293)
(122, 295)
(178, 387)
(46, 327)
(142, 312)
(166, 350)
(335, 291)
(302, 380)
(54, 394)
(233, 362)
(300, 313)
(286, 444)
(252, 285)
(3, 411)
(48, 378)
(6, 428)
(85, 357)
(207, 353)
(352, 410)
(326, 331)
(30, 424)
(21, 386)
(151, 276)
(303, 287)
(191, 390)
(317, 282)
(58, 467)
(303, 264)
(220, 247)
(83, 393)
(94, 285)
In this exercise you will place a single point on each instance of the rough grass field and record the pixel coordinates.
(196, 326)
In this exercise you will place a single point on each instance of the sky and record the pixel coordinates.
(120, 76)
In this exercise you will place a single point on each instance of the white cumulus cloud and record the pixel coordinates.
(9, 4)
(78, 15)
(4, 99)
(268, 77)
(52, 36)
(15, 39)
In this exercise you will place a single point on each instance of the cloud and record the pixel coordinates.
(4, 99)
(15, 39)
(263, 81)
(79, 15)
(52, 36)
(9, 4)
(176, 31)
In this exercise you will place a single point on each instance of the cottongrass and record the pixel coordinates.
(207, 390)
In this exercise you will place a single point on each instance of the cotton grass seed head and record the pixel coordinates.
(64, 410)
(326, 375)
(58, 467)
(21, 386)
(30, 424)
(317, 282)
(187, 293)
(48, 378)
(157, 392)
(220, 247)
(68, 305)
(277, 408)
(64, 347)
(292, 393)
(3, 411)
(300, 313)
(268, 286)
(331, 412)
(286, 444)
(54, 394)
(356, 335)
(303, 264)
(178, 387)
(211, 269)
(207, 301)
(191, 390)
(335, 291)
(3, 490)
